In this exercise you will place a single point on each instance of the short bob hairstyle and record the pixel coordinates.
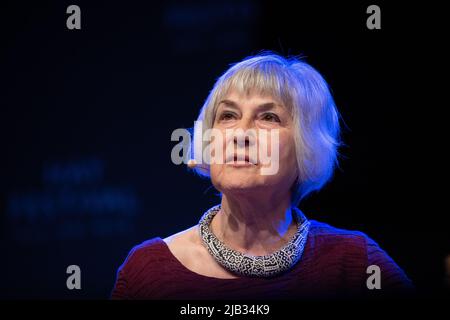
(305, 94)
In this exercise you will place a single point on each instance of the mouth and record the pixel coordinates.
(246, 161)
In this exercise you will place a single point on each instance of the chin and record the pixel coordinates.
(239, 180)
(240, 184)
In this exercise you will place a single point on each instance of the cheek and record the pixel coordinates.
(214, 174)
(214, 171)
(285, 147)
(288, 158)
(288, 150)
(218, 147)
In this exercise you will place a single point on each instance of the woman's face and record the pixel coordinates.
(256, 113)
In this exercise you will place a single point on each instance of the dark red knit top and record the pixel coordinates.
(334, 264)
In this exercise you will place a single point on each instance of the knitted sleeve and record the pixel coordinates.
(393, 278)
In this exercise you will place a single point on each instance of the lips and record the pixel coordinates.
(233, 159)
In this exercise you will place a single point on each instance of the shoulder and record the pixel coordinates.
(183, 238)
(147, 245)
(158, 245)
(356, 249)
(157, 251)
(343, 240)
(144, 253)
(332, 246)
(140, 266)
(324, 233)
(346, 247)
(187, 247)
(328, 235)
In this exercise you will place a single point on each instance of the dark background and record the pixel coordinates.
(86, 119)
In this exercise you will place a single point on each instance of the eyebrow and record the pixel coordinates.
(263, 106)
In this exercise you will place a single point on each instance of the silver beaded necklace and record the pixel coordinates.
(255, 266)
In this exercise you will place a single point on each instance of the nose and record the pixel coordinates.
(241, 140)
(244, 137)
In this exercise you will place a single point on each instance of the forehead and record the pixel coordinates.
(250, 99)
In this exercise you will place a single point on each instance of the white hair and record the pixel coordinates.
(305, 94)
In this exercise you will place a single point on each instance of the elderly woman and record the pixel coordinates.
(256, 243)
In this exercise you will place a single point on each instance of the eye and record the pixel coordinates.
(227, 116)
(270, 117)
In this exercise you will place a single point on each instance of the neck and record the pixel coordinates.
(254, 226)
